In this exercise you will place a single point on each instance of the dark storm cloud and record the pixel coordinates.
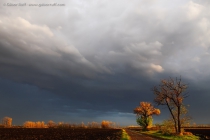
(90, 57)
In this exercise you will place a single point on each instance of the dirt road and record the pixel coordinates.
(137, 136)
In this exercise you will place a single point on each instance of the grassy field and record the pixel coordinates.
(171, 137)
(125, 136)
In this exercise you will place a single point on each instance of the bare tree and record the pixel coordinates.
(172, 93)
(144, 114)
(7, 121)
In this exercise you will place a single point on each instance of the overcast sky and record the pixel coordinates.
(94, 60)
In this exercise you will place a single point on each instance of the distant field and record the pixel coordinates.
(59, 134)
(201, 131)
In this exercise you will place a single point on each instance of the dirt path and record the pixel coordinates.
(137, 136)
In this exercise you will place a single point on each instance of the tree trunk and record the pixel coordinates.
(145, 128)
(178, 119)
(175, 122)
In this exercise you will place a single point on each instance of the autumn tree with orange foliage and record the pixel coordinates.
(172, 93)
(144, 114)
(107, 124)
(30, 124)
(51, 124)
(7, 122)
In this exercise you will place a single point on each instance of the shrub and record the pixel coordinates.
(168, 127)
(145, 122)
(107, 124)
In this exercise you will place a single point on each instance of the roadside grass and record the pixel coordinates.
(171, 137)
(124, 136)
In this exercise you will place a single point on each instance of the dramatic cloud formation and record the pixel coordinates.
(93, 60)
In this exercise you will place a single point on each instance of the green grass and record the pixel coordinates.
(171, 137)
(124, 136)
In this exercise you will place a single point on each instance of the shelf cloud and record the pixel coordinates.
(100, 59)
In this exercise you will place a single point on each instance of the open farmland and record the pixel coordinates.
(59, 134)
